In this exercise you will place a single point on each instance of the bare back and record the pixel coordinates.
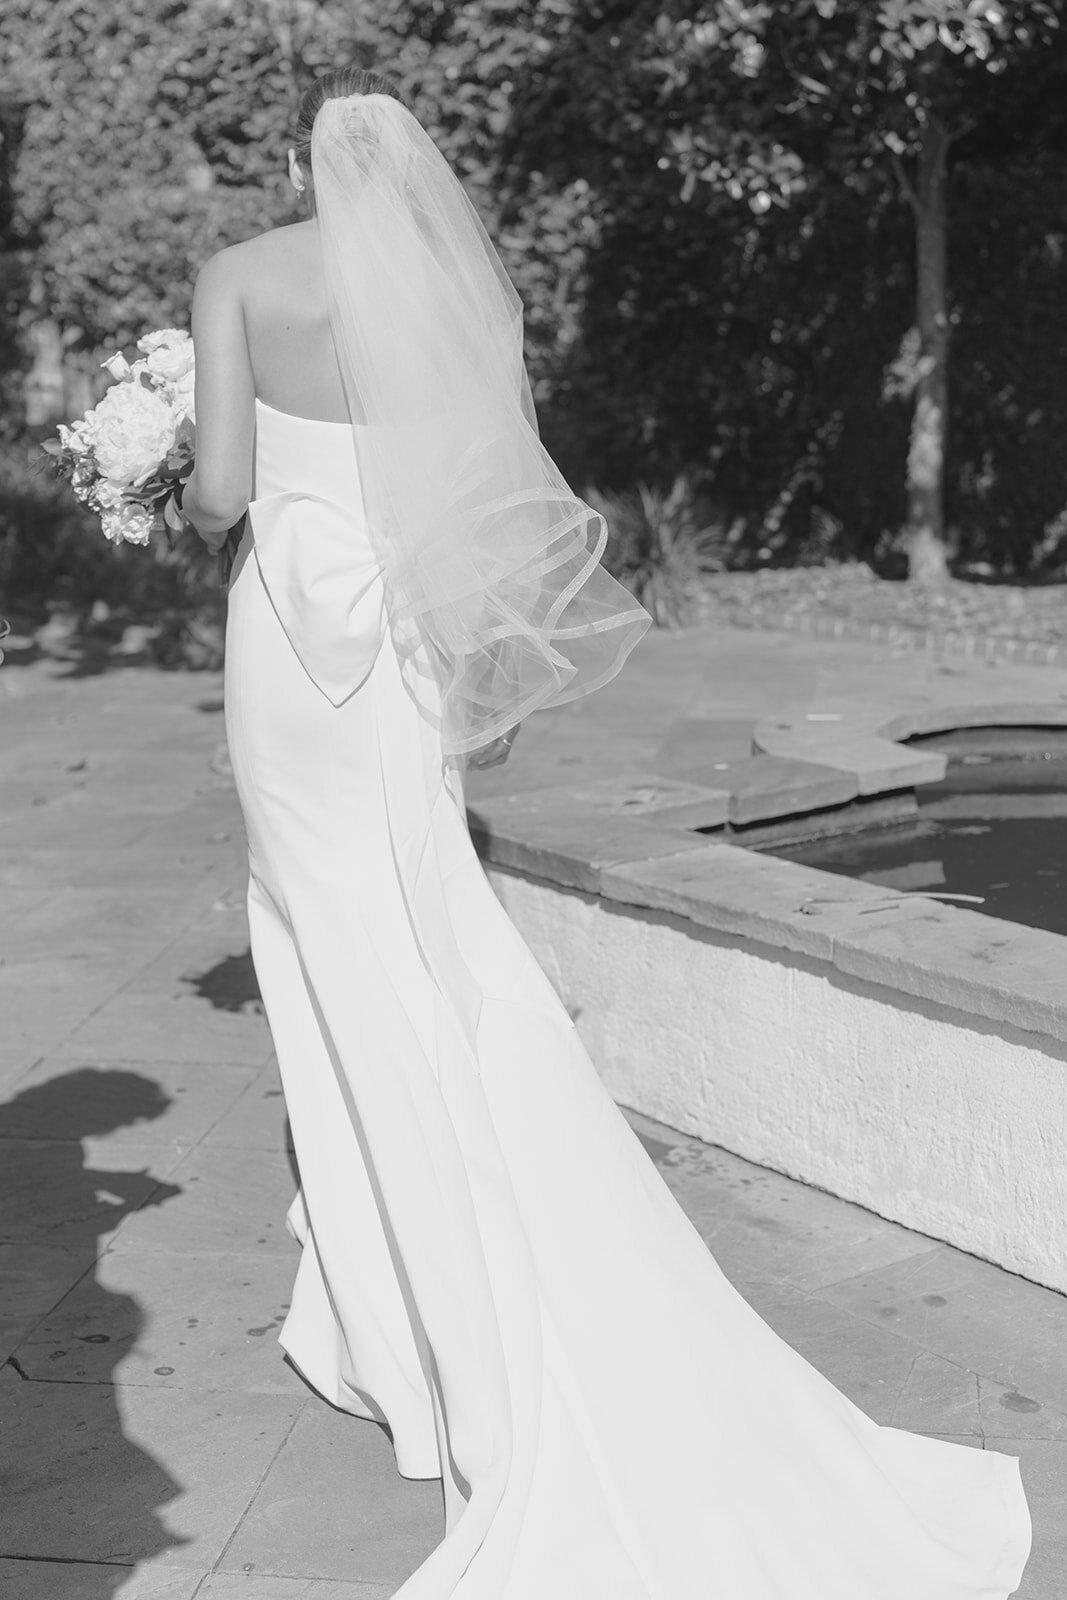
(290, 346)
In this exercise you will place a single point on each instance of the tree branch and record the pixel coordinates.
(907, 189)
(962, 131)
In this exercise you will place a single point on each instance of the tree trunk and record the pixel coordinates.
(927, 552)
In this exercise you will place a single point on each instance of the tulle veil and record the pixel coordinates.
(492, 563)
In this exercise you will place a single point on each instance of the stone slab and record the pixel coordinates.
(169, 1102)
(741, 893)
(250, 1586)
(227, 1203)
(33, 1279)
(41, 1003)
(141, 1475)
(134, 922)
(697, 743)
(153, 1021)
(573, 851)
(171, 1321)
(81, 1580)
(971, 1313)
(1043, 1464)
(976, 964)
(939, 1396)
(878, 765)
(1006, 1413)
(57, 1192)
(638, 795)
(333, 1506)
(759, 1224)
(766, 787)
(257, 1120)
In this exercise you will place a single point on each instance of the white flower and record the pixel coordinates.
(132, 431)
(117, 365)
(109, 496)
(161, 337)
(171, 362)
(181, 396)
(130, 524)
(77, 437)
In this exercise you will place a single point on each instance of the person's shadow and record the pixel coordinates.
(78, 1490)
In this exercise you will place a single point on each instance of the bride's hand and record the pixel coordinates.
(495, 752)
(175, 522)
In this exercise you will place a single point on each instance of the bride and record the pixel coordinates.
(490, 1265)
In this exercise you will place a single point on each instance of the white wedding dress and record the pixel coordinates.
(490, 1263)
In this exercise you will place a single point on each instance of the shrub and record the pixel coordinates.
(661, 547)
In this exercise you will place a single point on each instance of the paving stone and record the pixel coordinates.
(738, 892)
(257, 1119)
(16, 905)
(227, 1203)
(150, 1021)
(972, 1313)
(765, 787)
(573, 850)
(81, 1580)
(43, 1002)
(1007, 1413)
(976, 964)
(869, 1364)
(623, 795)
(938, 1396)
(763, 1225)
(250, 1586)
(172, 1321)
(57, 1192)
(72, 867)
(333, 1506)
(33, 1279)
(697, 743)
(168, 1102)
(150, 1473)
(878, 765)
(136, 922)
(56, 825)
(1044, 1473)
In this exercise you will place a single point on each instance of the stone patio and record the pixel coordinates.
(156, 1446)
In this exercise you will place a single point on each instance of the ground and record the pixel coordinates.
(158, 1446)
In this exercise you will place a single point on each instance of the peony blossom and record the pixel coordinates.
(133, 430)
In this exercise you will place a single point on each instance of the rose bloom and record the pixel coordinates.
(130, 524)
(161, 337)
(171, 362)
(181, 395)
(132, 432)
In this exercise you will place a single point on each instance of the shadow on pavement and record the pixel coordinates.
(79, 1490)
(229, 985)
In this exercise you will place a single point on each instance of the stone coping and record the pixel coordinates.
(633, 844)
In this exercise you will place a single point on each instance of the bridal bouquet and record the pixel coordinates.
(127, 455)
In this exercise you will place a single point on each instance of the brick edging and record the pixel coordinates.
(937, 641)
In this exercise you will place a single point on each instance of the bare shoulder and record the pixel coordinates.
(242, 266)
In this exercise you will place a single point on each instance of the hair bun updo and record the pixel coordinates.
(339, 84)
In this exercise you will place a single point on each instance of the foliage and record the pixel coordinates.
(661, 547)
(705, 207)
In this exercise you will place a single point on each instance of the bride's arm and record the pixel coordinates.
(220, 488)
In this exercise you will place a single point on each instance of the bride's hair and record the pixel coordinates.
(336, 85)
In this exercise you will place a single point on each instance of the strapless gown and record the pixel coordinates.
(490, 1263)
